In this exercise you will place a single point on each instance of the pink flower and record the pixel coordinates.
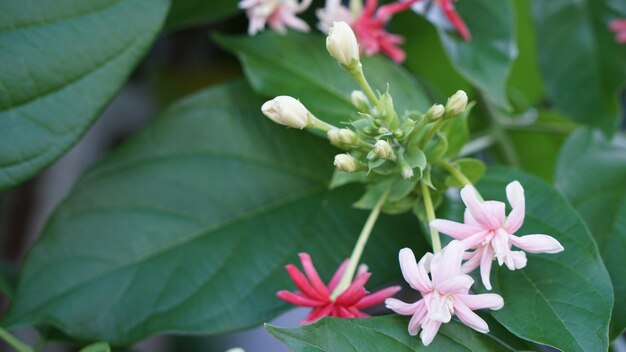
(452, 17)
(370, 29)
(315, 294)
(490, 232)
(444, 294)
(279, 14)
(334, 11)
(619, 27)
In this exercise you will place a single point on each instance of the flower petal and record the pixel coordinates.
(302, 283)
(447, 263)
(473, 261)
(312, 275)
(501, 245)
(470, 318)
(403, 308)
(298, 300)
(377, 297)
(318, 313)
(418, 317)
(474, 240)
(515, 196)
(430, 329)
(483, 301)
(334, 281)
(519, 259)
(456, 284)
(415, 274)
(477, 209)
(537, 243)
(454, 229)
(485, 266)
(354, 292)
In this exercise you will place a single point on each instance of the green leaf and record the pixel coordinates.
(62, 62)
(561, 300)
(97, 347)
(186, 13)
(298, 64)
(581, 63)
(591, 173)
(486, 60)
(388, 333)
(186, 228)
(473, 169)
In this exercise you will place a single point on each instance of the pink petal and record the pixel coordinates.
(473, 261)
(357, 313)
(537, 243)
(485, 266)
(483, 301)
(474, 240)
(618, 25)
(403, 308)
(385, 12)
(430, 329)
(334, 281)
(362, 269)
(298, 300)
(294, 22)
(302, 283)
(519, 259)
(311, 273)
(455, 19)
(501, 246)
(447, 263)
(377, 297)
(415, 274)
(470, 318)
(438, 308)
(479, 212)
(468, 219)
(454, 229)
(621, 37)
(456, 284)
(344, 313)
(418, 317)
(515, 196)
(497, 209)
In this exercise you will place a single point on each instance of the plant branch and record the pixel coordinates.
(430, 215)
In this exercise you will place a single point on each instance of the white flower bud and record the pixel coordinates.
(287, 111)
(435, 112)
(407, 172)
(456, 104)
(348, 136)
(383, 149)
(333, 137)
(341, 43)
(346, 163)
(359, 100)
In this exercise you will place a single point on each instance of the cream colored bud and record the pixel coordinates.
(346, 163)
(383, 149)
(287, 111)
(435, 112)
(407, 172)
(348, 136)
(341, 43)
(359, 100)
(456, 104)
(333, 137)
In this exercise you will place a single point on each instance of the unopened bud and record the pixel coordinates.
(388, 111)
(346, 163)
(342, 137)
(341, 44)
(383, 149)
(435, 112)
(407, 172)
(456, 104)
(359, 100)
(287, 111)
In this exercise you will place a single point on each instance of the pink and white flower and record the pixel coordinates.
(332, 12)
(488, 231)
(370, 29)
(619, 27)
(279, 14)
(444, 294)
(315, 294)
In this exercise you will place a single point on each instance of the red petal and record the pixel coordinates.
(297, 299)
(355, 288)
(318, 313)
(302, 283)
(455, 19)
(311, 273)
(337, 276)
(377, 297)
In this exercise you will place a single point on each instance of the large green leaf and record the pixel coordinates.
(297, 64)
(581, 63)
(485, 60)
(562, 300)
(591, 174)
(187, 226)
(61, 63)
(186, 13)
(387, 333)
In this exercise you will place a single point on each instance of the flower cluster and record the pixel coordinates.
(368, 21)
(485, 233)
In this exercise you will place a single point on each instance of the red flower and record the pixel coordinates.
(315, 294)
(448, 9)
(370, 29)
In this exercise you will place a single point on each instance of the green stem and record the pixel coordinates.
(348, 275)
(13, 342)
(456, 173)
(436, 127)
(430, 215)
(357, 73)
(320, 124)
